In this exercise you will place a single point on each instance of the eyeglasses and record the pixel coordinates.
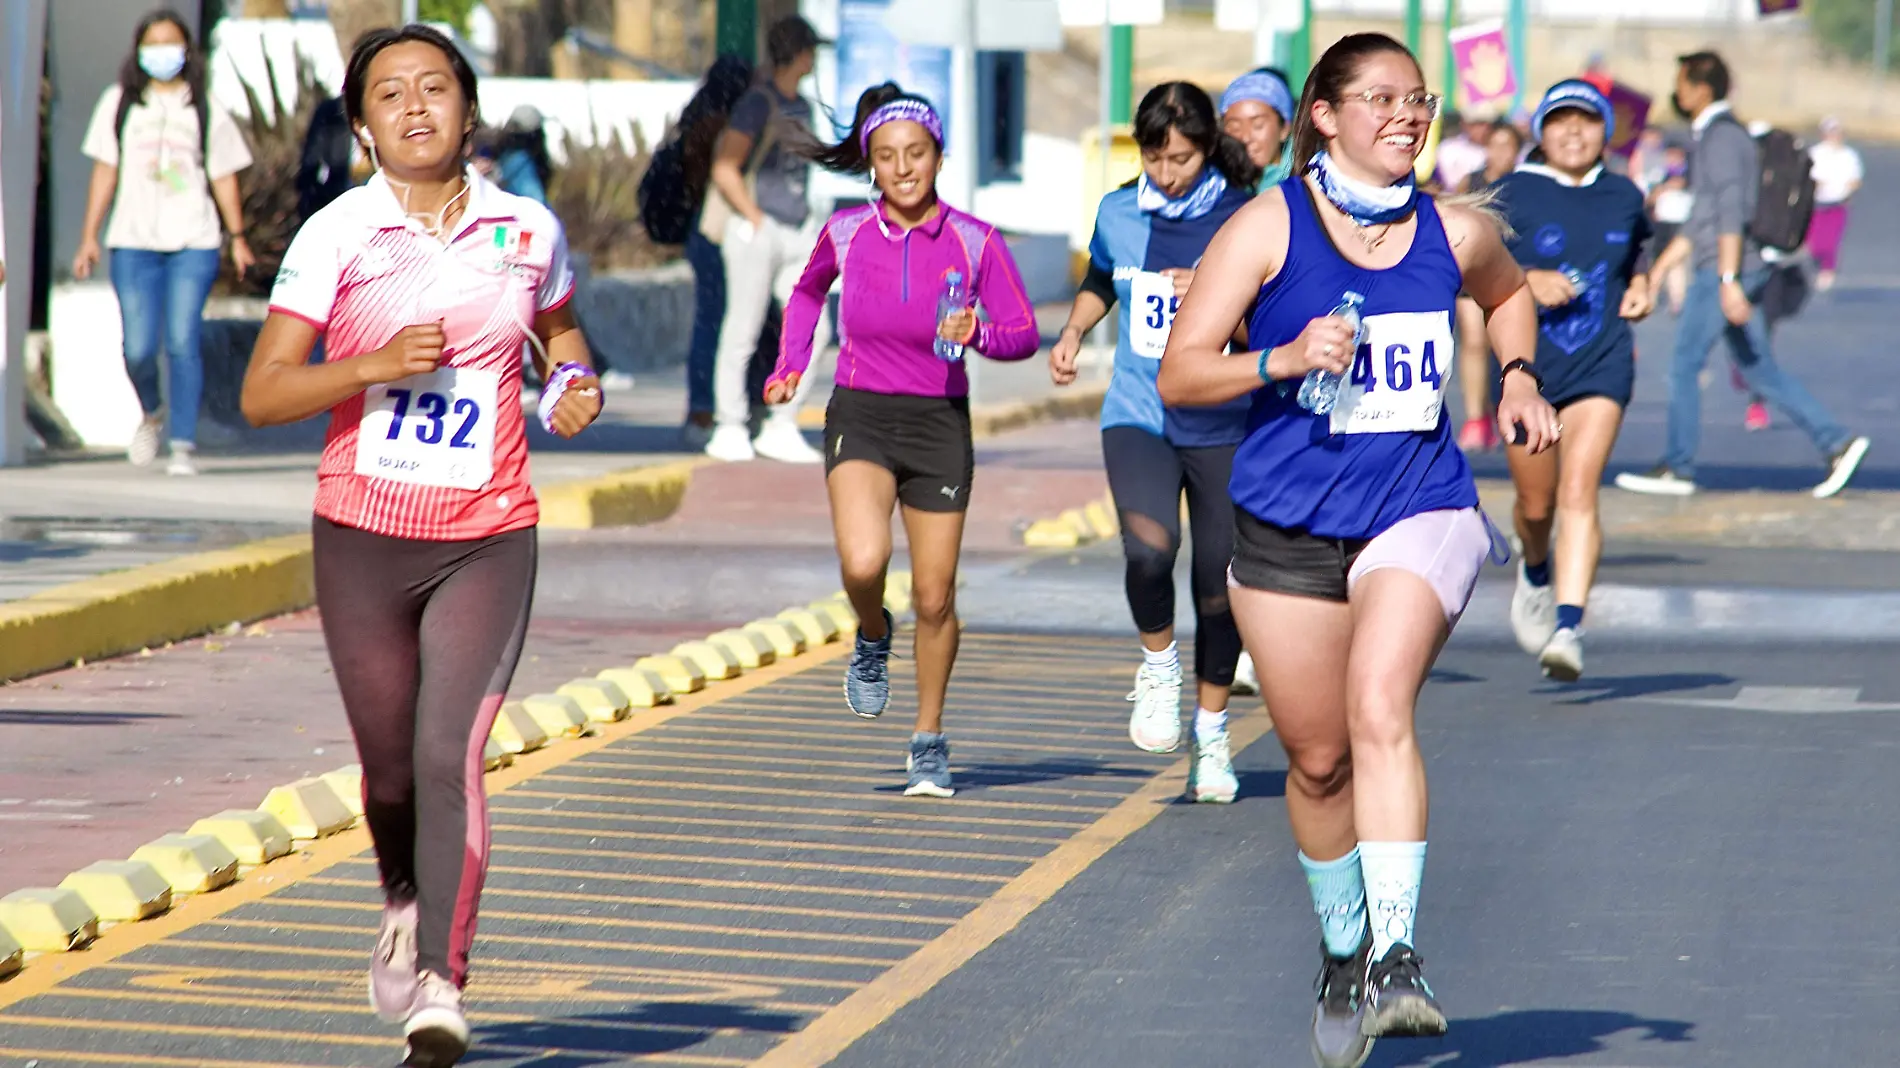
(1386, 104)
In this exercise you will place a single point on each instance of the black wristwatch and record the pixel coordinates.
(1524, 366)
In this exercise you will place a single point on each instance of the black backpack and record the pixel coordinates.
(1785, 204)
(666, 208)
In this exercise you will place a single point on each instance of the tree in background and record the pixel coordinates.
(452, 12)
(351, 19)
(1843, 27)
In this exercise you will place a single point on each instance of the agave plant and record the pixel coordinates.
(275, 136)
(594, 194)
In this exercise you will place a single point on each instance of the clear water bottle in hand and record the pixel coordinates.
(1319, 391)
(1579, 282)
(956, 298)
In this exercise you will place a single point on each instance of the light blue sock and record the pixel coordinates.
(1339, 897)
(1393, 873)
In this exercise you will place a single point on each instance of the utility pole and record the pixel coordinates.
(411, 11)
(1414, 24)
(736, 29)
(1519, 33)
(1451, 59)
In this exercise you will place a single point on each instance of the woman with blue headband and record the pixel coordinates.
(1149, 237)
(1257, 111)
(1580, 235)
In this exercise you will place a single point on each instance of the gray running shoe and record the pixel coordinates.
(929, 766)
(1339, 1039)
(1399, 1003)
(867, 682)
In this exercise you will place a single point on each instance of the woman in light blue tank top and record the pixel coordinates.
(1358, 538)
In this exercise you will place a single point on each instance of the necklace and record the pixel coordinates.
(1364, 233)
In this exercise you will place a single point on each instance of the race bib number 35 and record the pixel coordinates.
(1151, 308)
(1397, 380)
(436, 429)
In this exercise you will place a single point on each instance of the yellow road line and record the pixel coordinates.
(720, 736)
(770, 825)
(800, 844)
(684, 904)
(790, 865)
(622, 921)
(865, 744)
(854, 1017)
(503, 973)
(726, 884)
(93, 1057)
(606, 763)
(915, 815)
(846, 730)
(768, 791)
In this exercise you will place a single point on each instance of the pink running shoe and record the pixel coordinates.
(1757, 417)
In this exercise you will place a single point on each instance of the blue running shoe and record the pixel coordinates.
(867, 682)
(929, 766)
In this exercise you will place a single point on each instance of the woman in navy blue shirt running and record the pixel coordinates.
(1358, 537)
(1580, 235)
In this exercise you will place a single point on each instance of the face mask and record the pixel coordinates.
(162, 62)
(1675, 101)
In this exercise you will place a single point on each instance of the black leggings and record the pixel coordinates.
(424, 636)
(1147, 476)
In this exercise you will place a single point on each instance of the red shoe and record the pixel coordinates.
(1478, 435)
(1757, 417)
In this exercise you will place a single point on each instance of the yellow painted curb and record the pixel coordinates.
(816, 629)
(557, 716)
(752, 651)
(1101, 518)
(1080, 403)
(624, 498)
(1075, 527)
(600, 699)
(516, 732)
(252, 835)
(347, 784)
(840, 613)
(1051, 534)
(144, 606)
(642, 687)
(121, 891)
(12, 954)
(494, 757)
(191, 863)
(48, 920)
(785, 639)
(713, 662)
(308, 809)
(680, 674)
(897, 587)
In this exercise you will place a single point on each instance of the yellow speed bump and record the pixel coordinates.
(347, 784)
(494, 757)
(680, 674)
(642, 687)
(1101, 518)
(600, 699)
(785, 639)
(714, 662)
(751, 650)
(559, 716)
(252, 835)
(308, 809)
(839, 612)
(192, 863)
(120, 891)
(516, 732)
(46, 920)
(12, 954)
(816, 629)
(1051, 534)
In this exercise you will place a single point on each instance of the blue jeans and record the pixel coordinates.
(1702, 323)
(709, 309)
(162, 303)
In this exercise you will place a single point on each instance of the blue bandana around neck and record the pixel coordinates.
(1367, 205)
(1197, 203)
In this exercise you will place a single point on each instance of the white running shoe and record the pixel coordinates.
(780, 440)
(1533, 613)
(1841, 467)
(181, 464)
(392, 965)
(1245, 681)
(616, 381)
(731, 444)
(437, 1030)
(1562, 658)
(1155, 724)
(1211, 780)
(144, 447)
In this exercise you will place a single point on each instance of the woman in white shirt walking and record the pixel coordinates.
(1837, 176)
(166, 159)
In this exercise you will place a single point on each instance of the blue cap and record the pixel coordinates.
(1581, 95)
(1263, 86)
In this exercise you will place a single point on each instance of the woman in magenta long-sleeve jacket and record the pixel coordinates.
(898, 428)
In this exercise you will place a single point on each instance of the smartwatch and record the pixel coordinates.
(1731, 278)
(1524, 366)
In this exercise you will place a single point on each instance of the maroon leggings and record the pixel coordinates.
(424, 636)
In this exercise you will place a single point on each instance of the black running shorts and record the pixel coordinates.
(923, 441)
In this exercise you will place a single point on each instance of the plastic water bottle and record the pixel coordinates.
(956, 298)
(1319, 391)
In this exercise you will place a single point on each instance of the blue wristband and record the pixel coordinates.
(1265, 379)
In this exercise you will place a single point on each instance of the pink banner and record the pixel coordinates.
(1777, 7)
(1486, 79)
(1632, 114)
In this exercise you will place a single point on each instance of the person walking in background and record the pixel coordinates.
(1459, 153)
(166, 159)
(522, 166)
(1503, 147)
(1724, 293)
(1837, 176)
(329, 152)
(700, 124)
(764, 226)
(1257, 111)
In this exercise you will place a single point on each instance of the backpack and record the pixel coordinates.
(1785, 204)
(666, 208)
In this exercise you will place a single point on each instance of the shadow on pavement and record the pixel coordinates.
(610, 1039)
(26, 717)
(1630, 686)
(1527, 1036)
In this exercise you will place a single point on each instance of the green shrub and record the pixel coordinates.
(594, 194)
(275, 136)
(1843, 27)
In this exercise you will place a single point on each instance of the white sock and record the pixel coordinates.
(1167, 660)
(1208, 724)
(1393, 872)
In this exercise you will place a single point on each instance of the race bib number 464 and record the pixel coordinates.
(436, 429)
(1397, 380)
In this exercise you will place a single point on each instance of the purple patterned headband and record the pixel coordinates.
(902, 110)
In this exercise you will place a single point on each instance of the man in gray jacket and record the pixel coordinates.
(1728, 277)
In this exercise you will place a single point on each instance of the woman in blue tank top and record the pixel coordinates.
(1358, 538)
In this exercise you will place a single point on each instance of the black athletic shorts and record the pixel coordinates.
(923, 441)
(1278, 560)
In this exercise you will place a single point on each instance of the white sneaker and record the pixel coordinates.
(437, 1030)
(180, 463)
(1562, 658)
(1211, 780)
(616, 381)
(1245, 681)
(1842, 467)
(731, 444)
(144, 447)
(780, 440)
(1533, 613)
(1155, 724)
(1658, 481)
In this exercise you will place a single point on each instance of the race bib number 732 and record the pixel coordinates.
(1397, 379)
(435, 429)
